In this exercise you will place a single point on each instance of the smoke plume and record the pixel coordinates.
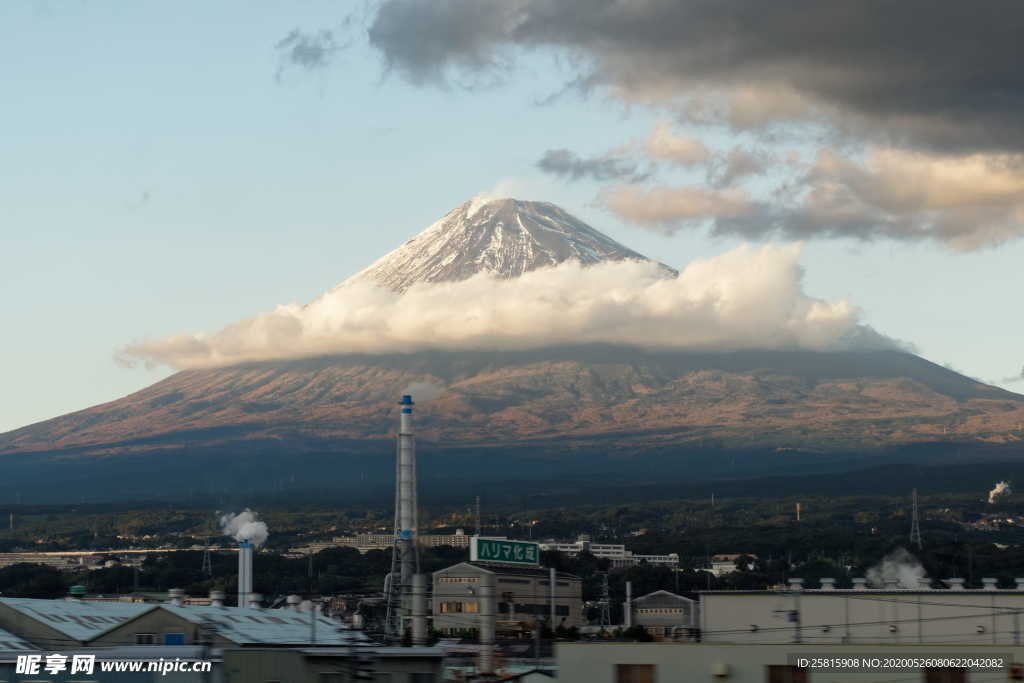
(245, 526)
(1001, 488)
(749, 298)
(424, 391)
(899, 566)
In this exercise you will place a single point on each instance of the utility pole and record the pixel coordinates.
(207, 567)
(605, 604)
(478, 515)
(915, 524)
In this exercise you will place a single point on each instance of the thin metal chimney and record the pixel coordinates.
(244, 573)
(627, 613)
(487, 588)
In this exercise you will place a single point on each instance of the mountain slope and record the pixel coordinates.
(594, 399)
(500, 237)
(772, 399)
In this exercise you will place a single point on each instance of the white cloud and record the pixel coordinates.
(746, 298)
(665, 145)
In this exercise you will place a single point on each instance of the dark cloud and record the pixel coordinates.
(939, 75)
(567, 164)
(310, 51)
(737, 164)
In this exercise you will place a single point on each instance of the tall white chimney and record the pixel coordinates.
(404, 559)
(244, 573)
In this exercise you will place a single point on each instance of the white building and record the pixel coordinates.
(726, 563)
(610, 662)
(890, 615)
(615, 553)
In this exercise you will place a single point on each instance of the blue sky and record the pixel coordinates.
(163, 174)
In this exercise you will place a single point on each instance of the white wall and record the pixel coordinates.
(939, 616)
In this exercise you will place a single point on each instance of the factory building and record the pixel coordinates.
(64, 623)
(664, 614)
(890, 615)
(615, 553)
(171, 624)
(327, 665)
(607, 662)
(523, 597)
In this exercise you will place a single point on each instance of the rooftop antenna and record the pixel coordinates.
(478, 515)
(915, 524)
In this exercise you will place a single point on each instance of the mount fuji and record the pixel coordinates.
(567, 410)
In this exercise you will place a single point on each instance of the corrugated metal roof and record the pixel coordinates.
(81, 621)
(252, 626)
(9, 641)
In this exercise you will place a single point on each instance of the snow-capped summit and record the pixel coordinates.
(504, 237)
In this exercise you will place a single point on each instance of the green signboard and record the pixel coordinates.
(509, 552)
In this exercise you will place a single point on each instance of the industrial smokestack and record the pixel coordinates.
(404, 558)
(419, 610)
(487, 617)
(244, 573)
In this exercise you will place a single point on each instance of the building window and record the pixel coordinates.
(174, 639)
(634, 673)
(145, 639)
(450, 607)
(471, 607)
(786, 674)
(944, 675)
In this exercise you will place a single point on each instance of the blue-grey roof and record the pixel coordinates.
(253, 626)
(78, 620)
(9, 641)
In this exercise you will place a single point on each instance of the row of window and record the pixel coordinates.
(473, 607)
(468, 607)
(458, 579)
(660, 610)
(152, 639)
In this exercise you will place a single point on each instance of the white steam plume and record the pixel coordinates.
(424, 391)
(1001, 488)
(748, 298)
(245, 526)
(899, 566)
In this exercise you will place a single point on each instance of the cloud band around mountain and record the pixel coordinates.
(749, 298)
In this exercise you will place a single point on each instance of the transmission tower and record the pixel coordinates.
(207, 567)
(605, 602)
(915, 524)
